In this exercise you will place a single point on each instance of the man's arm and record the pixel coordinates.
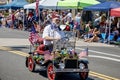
(50, 38)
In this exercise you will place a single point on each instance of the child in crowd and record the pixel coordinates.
(88, 31)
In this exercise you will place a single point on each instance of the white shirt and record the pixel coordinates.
(69, 15)
(55, 32)
(78, 19)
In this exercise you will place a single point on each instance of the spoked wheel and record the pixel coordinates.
(31, 63)
(84, 75)
(50, 72)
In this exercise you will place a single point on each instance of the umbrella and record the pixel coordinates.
(76, 4)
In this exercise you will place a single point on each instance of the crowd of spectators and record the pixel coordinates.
(97, 29)
(103, 29)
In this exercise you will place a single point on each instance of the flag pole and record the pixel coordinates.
(37, 9)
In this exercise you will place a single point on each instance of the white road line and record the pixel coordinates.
(103, 57)
(113, 55)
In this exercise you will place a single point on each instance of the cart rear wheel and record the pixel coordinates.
(50, 72)
(31, 63)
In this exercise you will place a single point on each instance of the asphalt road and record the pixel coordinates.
(104, 60)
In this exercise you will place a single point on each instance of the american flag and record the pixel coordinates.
(84, 53)
(33, 37)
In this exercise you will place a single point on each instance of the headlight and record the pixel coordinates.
(61, 65)
(81, 66)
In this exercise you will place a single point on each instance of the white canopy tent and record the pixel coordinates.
(30, 6)
(49, 4)
(33, 5)
(46, 4)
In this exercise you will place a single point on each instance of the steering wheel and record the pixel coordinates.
(64, 39)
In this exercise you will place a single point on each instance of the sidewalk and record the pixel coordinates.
(96, 44)
(22, 42)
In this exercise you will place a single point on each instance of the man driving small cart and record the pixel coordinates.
(52, 32)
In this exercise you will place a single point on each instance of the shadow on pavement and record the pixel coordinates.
(65, 76)
(19, 47)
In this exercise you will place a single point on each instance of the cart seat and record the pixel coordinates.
(40, 49)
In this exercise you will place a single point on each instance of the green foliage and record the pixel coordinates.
(64, 54)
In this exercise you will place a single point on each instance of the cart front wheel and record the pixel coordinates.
(83, 75)
(31, 64)
(50, 72)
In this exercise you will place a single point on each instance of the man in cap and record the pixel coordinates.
(52, 32)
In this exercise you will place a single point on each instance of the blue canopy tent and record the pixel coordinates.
(102, 1)
(1, 6)
(19, 4)
(9, 5)
(106, 6)
(15, 4)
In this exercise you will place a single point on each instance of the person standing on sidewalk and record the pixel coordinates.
(77, 23)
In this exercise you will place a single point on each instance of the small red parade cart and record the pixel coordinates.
(62, 59)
